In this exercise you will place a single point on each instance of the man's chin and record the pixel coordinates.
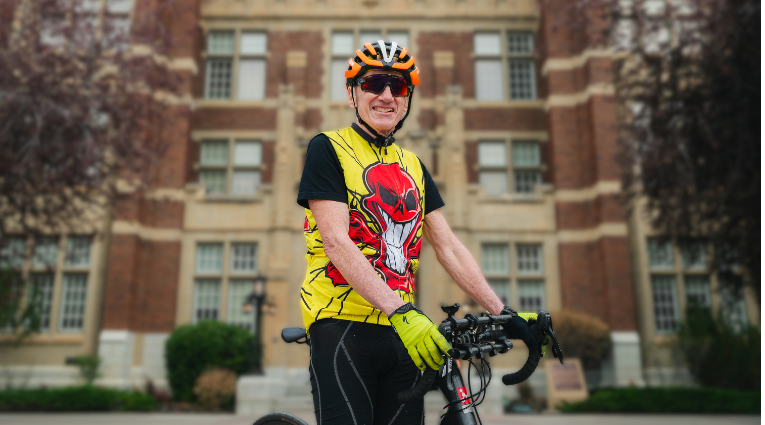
(382, 127)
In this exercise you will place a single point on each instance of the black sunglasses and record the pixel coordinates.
(376, 84)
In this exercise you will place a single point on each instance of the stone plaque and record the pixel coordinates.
(565, 382)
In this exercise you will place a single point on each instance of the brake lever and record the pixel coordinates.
(547, 329)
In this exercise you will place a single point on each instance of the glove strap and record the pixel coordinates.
(406, 308)
(508, 311)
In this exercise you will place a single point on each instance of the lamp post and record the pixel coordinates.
(254, 303)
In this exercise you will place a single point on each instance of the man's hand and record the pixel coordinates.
(518, 328)
(420, 336)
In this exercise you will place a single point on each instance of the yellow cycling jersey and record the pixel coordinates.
(386, 201)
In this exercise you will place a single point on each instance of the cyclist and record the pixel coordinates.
(368, 203)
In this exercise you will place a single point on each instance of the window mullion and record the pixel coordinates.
(505, 66)
(681, 293)
(224, 278)
(230, 166)
(235, 65)
(58, 282)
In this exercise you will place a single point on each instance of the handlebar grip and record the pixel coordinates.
(531, 364)
(419, 390)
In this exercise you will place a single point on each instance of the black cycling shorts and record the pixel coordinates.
(357, 370)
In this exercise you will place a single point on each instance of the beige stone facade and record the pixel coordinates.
(592, 256)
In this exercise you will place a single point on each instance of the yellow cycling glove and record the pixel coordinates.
(420, 336)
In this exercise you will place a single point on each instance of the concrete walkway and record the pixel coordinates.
(207, 419)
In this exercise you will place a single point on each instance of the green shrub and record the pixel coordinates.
(74, 399)
(191, 349)
(668, 400)
(582, 336)
(719, 354)
(88, 368)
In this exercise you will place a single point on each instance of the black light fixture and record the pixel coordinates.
(254, 303)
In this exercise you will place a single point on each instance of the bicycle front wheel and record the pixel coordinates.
(279, 419)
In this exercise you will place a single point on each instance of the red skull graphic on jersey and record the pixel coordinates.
(393, 203)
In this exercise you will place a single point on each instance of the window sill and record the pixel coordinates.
(232, 199)
(45, 338)
(541, 192)
(479, 104)
(198, 191)
(230, 103)
(665, 340)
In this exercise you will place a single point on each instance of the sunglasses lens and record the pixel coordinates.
(376, 84)
(398, 86)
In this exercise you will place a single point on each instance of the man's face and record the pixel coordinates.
(381, 111)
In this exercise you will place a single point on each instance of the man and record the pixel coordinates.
(368, 204)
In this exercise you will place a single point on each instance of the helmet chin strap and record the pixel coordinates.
(380, 140)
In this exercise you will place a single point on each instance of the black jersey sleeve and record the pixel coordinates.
(433, 199)
(322, 174)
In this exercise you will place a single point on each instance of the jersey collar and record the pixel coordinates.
(368, 137)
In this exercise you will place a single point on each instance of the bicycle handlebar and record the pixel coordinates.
(531, 365)
(418, 391)
(472, 337)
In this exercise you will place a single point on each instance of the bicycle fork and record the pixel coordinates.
(449, 380)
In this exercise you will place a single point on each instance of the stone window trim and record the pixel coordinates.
(220, 177)
(338, 57)
(60, 268)
(514, 169)
(670, 262)
(514, 55)
(510, 279)
(236, 58)
(119, 13)
(231, 273)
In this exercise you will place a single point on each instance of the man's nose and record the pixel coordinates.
(387, 95)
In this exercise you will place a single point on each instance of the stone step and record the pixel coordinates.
(299, 390)
(294, 404)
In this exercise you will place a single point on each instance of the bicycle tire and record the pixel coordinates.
(279, 419)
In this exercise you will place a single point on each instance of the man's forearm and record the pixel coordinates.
(459, 263)
(362, 277)
(332, 220)
(461, 266)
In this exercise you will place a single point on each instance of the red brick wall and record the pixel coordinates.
(596, 279)
(120, 282)
(143, 275)
(267, 173)
(434, 84)
(595, 275)
(588, 214)
(141, 285)
(234, 119)
(525, 119)
(308, 81)
(156, 288)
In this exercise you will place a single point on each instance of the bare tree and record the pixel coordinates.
(83, 92)
(687, 76)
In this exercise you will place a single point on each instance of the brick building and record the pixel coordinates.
(515, 118)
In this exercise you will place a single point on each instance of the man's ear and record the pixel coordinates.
(350, 97)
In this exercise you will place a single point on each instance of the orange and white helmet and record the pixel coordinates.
(387, 56)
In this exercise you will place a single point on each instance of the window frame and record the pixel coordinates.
(384, 33)
(510, 169)
(225, 278)
(513, 277)
(506, 57)
(231, 168)
(58, 269)
(236, 57)
(681, 272)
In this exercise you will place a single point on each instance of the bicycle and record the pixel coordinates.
(473, 337)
